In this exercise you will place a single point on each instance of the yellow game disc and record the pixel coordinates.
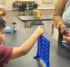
(0, 13)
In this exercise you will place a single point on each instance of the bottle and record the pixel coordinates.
(1, 13)
(14, 26)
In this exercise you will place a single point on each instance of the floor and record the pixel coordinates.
(12, 16)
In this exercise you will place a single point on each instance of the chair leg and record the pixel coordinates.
(27, 24)
(43, 27)
(52, 31)
(52, 28)
(12, 8)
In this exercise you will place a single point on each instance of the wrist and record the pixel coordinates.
(61, 25)
(36, 34)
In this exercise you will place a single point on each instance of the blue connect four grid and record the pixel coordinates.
(43, 50)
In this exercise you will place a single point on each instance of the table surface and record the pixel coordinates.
(31, 18)
(59, 55)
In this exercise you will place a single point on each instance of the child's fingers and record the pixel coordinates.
(39, 31)
(69, 34)
(66, 38)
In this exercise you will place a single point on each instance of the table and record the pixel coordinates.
(31, 18)
(59, 55)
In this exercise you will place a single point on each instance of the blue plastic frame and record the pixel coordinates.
(43, 50)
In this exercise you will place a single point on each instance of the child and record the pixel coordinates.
(7, 53)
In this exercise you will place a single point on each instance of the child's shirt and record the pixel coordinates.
(5, 54)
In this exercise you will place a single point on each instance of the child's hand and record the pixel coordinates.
(39, 31)
(63, 29)
(68, 34)
(66, 38)
(3, 10)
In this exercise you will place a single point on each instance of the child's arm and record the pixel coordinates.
(25, 47)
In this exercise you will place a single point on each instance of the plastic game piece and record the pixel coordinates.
(43, 50)
(1, 13)
(68, 33)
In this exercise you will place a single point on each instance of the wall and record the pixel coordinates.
(8, 3)
(46, 5)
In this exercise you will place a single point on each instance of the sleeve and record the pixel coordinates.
(58, 11)
(1, 5)
(5, 53)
